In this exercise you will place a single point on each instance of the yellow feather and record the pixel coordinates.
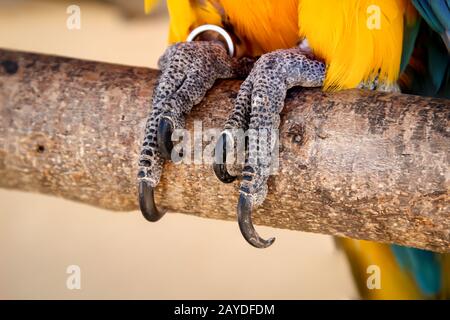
(185, 15)
(149, 5)
(338, 32)
(395, 283)
(265, 25)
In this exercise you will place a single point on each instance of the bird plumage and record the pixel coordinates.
(336, 31)
(426, 60)
(340, 32)
(405, 273)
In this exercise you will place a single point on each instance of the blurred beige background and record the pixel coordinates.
(120, 254)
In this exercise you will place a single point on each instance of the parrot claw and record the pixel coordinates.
(188, 71)
(164, 137)
(147, 202)
(220, 155)
(244, 212)
(257, 110)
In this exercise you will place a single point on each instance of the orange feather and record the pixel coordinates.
(337, 31)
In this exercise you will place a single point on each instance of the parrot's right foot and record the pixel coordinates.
(257, 112)
(189, 70)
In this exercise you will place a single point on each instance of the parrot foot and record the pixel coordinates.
(236, 125)
(188, 71)
(257, 108)
(150, 166)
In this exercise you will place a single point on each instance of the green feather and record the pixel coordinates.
(409, 40)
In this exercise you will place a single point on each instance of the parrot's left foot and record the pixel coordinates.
(258, 105)
(188, 71)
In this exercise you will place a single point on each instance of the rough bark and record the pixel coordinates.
(366, 165)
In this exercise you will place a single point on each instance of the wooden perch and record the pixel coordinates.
(365, 165)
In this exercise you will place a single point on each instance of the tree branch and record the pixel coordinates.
(366, 165)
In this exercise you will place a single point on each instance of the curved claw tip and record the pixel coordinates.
(164, 137)
(219, 165)
(147, 203)
(244, 212)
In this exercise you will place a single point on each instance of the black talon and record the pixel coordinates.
(220, 157)
(164, 137)
(147, 203)
(244, 212)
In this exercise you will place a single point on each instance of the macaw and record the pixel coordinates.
(387, 45)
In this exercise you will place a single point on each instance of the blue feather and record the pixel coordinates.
(441, 10)
(429, 10)
(437, 15)
(424, 266)
(409, 40)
